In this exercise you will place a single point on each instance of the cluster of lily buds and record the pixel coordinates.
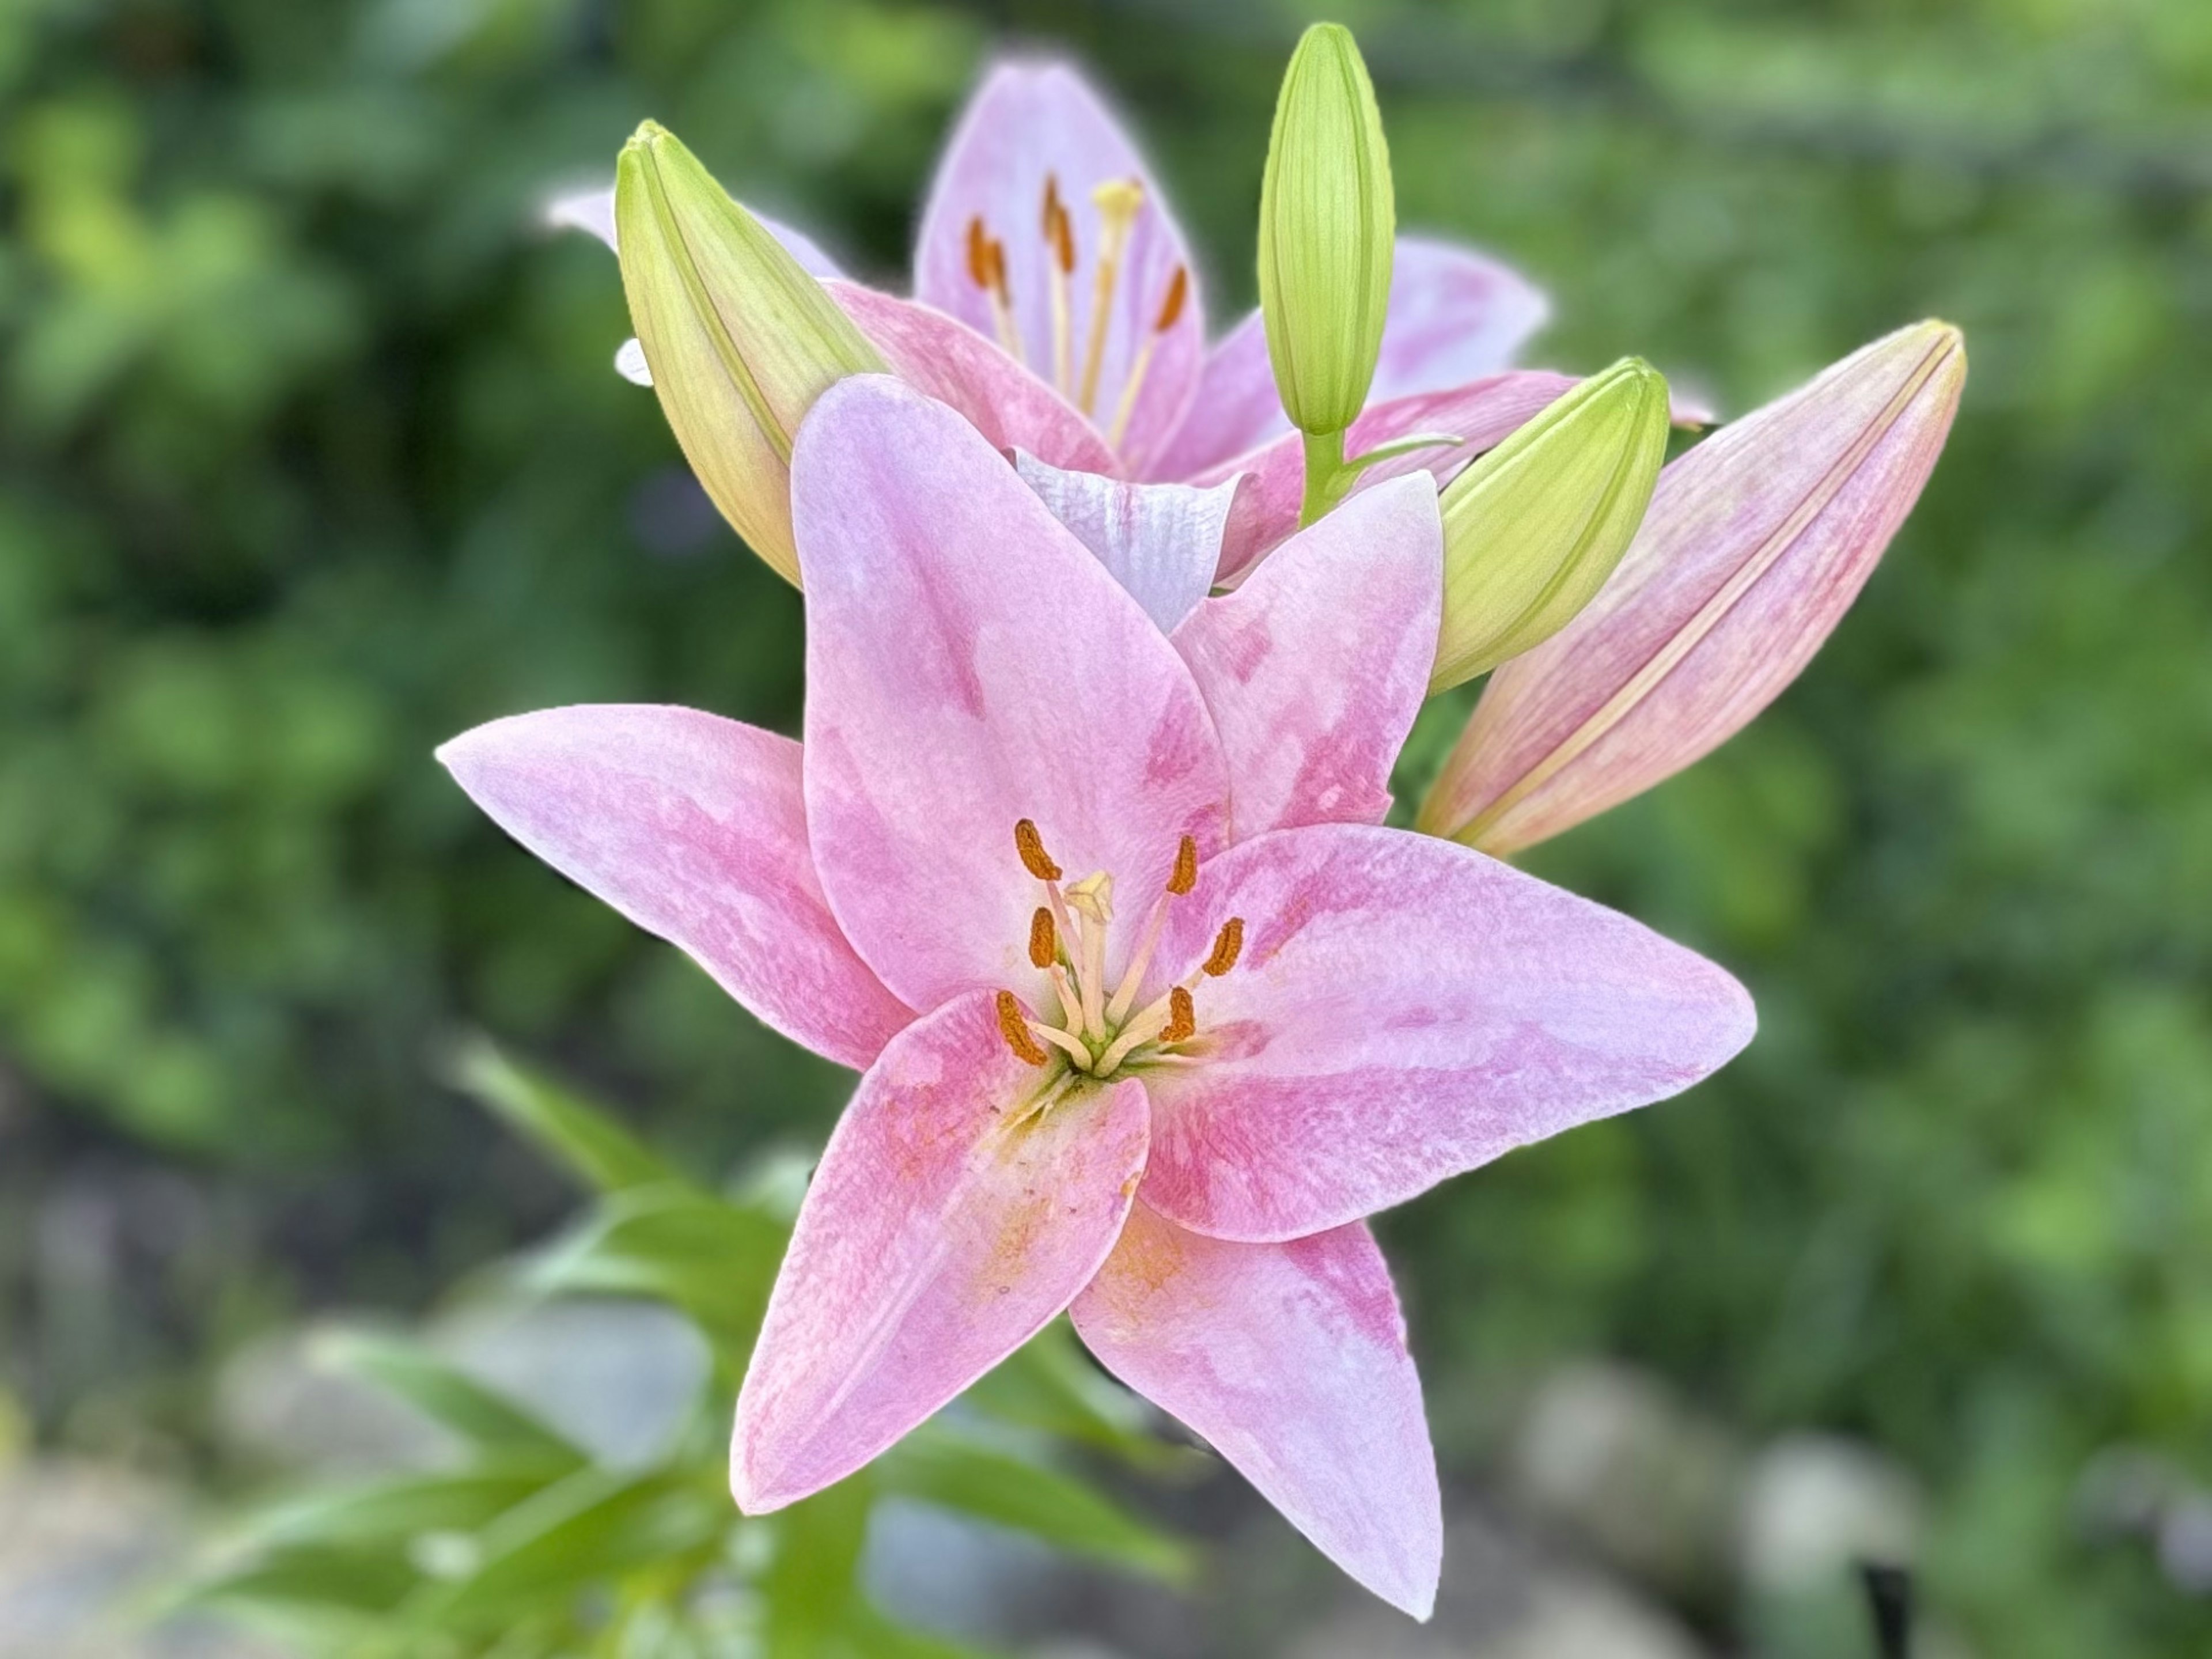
(1756, 543)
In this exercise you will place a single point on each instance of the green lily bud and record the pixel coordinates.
(1327, 223)
(740, 340)
(1534, 528)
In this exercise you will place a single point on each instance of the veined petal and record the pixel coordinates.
(1315, 668)
(1456, 316)
(694, 828)
(969, 663)
(1028, 124)
(964, 1199)
(1404, 1010)
(1290, 1360)
(1161, 541)
(1480, 415)
(936, 355)
(1756, 544)
(593, 211)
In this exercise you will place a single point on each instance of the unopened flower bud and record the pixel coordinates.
(740, 337)
(1327, 223)
(1533, 529)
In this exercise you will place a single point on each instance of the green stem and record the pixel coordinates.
(1327, 476)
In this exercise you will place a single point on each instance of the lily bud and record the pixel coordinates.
(1756, 543)
(1534, 528)
(1327, 223)
(740, 340)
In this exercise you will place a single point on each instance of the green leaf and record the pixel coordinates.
(714, 1259)
(583, 1531)
(568, 1129)
(811, 1582)
(396, 1511)
(1049, 1383)
(449, 1396)
(1327, 225)
(359, 1581)
(939, 1467)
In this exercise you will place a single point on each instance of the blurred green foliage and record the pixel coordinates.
(527, 1546)
(312, 458)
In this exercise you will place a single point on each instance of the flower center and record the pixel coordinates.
(1119, 201)
(1097, 1032)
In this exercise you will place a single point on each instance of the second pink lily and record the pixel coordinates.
(1081, 335)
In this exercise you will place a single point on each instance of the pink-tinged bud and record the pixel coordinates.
(1756, 543)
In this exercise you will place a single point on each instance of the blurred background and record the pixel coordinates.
(311, 456)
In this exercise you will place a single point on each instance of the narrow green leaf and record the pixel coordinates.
(583, 1531)
(1049, 1383)
(714, 1259)
(449, 1396)
(812, 1584)
(939, 1467)
(584, 1138)
(391, 1511)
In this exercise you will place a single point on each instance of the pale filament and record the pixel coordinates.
(1118, 202)
(1060, 263)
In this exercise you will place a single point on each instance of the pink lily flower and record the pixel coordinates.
(1082, 324)
(1151, 1012)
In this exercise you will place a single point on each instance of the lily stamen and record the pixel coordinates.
(1059, 245)
(1228, 945)
(1015, 1029)
(1091, 899)
(1184, 877)
(1119, 201)
(1170, 309)
(986, 269)
(1074, 1046)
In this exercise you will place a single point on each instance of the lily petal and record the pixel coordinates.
(955, 1214)
(935, 354)
(1756, 544)
(1161, 541)
(970, 664)
(694, 828)
(1290, 1360)
(1029, 124)
(593, 211)
(1480, 415)
(1316, 667)
(1405, 1010)
(1456, 316)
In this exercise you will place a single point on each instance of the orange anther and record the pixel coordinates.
(1186, 868)
(979, 254)
(1030, 846)
(1171, 306)
(1182, 1017)
(1044, 939)
(1228, 945)
(1015, 1029)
